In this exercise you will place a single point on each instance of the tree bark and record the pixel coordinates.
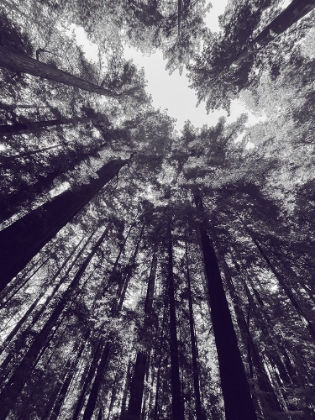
(22, 63)
(18, 128)
(89, 409)
(286, 289)
(294, 12)
(137, 383)
(22, 240)
(254, 355)
(177, 402)
(21, 374)
(235, 388)
(13, 202)
(194, 350)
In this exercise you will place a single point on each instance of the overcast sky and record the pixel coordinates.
(171, 92)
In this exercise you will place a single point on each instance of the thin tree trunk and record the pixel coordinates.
(64, 389)
(89, 409)
(87, 381)
(286, 289)
(194, 350)
(22, 63)
(253, 352)
(28, 312)
(23, 371)
(22, 240)
(294, 12)
(9, 159)
(13, 202)
(235, 388)
(125, 393)
(18, 128)
(177, 402)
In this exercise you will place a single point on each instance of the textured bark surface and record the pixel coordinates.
(177, 403)
(294, 12)
(14, 201)
(22, 240)
(194, 349)
(23, 372)
(24, 64)
(235, 388)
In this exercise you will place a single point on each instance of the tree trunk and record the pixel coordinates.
(87, 381)
(137, 383)
(177, 402)
(294, 12)
(13, 202)
(235, 388)
(194, 350)
(269, 395)
(18, 128)
(22, 63)
(22, 240)
(40, 296)
(125, 392)
(116, 308)
(89, 409)
(287, 290)
(22, 373)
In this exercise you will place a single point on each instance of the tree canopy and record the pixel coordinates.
(149, 273)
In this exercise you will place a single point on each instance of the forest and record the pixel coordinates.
(150, 273)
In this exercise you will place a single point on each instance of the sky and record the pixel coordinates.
(171, 92)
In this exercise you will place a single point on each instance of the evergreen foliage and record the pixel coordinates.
(147, 274)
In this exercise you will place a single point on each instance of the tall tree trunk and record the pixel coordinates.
(137, 383)
(254, 355)
(235, 388)
(294, 12)
(194, 350)
(22, 63)
(89, 409)
(13, 202)
(87, 381)
(177, 402)
(286, 289)
(125, 392)
(40, 296)
(116, 308)
(9, 159)
(22, 240)
(26, 127)
(21, 374)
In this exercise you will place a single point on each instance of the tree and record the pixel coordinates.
(39, 226)
(236, 393)
(21, 63)
(34, 126)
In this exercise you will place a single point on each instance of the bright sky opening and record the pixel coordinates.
(171, 92)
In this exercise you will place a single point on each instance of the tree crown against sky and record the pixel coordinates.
(148, 272)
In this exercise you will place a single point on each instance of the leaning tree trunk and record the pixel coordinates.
(22, 63)
(294, 12)
(235, 388)
(22, 373)
(177, 402)
(14, 201)
(26, 127)
(22, 240)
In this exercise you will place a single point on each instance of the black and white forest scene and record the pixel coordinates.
(157, 210)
